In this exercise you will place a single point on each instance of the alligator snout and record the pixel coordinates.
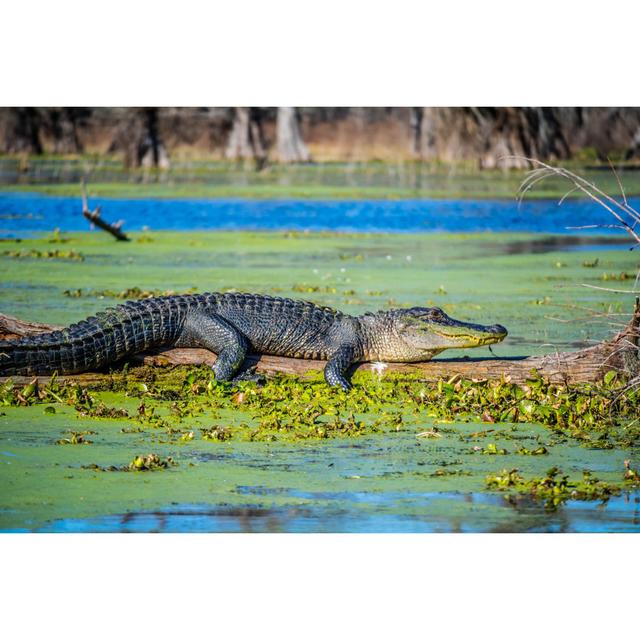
(498, 329)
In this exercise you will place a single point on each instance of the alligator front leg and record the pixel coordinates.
(214, 333)
(339, 363)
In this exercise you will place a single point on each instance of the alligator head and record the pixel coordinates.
(413, 335)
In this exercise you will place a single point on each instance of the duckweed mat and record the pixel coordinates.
(172, 450)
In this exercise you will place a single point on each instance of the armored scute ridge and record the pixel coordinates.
(233, 324)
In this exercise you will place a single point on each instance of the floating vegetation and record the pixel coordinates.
(440, 473)
(52, 254)
(542, 301)
(132, 293)
(57, 237)
(308, 288)
(70, 394)
(283, 435)
(220, 434)
(540, 451)
(429, 433)
(631, 476)
(76, 437)
(555, 488)
(598, 415)
(149, 462)
(100, 410)
(491, 449)
(619, 277)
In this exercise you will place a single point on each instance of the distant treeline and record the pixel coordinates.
(482, 136)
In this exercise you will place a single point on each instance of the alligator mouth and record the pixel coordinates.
(489, 335)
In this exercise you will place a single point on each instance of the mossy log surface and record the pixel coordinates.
(621, 353)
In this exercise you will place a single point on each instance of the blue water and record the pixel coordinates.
(619, 515)
(23, 213)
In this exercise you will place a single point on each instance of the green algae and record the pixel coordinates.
(487, 278)
(43, 482)
(296, 444)
(293, 437)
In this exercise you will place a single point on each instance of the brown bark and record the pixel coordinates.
(621, 354)
(415, 125)
(12, 328)
(491, 135)
(138, 137)
(62, 126)
(22, 130)
(246, 140)
(289, 143)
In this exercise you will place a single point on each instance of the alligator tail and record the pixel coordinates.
(68, 351)
(91, 344)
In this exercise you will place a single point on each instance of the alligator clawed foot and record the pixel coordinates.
(344, 385)
(250, 375)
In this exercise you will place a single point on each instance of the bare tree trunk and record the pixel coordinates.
(289, 143)
(415, 124)
(140, 140)
(22, 130)
(63, 127)
(246, 140)
(151, 151)
(491, 135)
(239, 144)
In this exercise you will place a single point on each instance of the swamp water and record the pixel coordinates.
(393, 479)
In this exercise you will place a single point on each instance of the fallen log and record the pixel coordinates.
(621, 354)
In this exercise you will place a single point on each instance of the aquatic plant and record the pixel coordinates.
(76, 437)
(131, 293)
(596, 415)
(148, 462)
(51, 254)
(555, 488)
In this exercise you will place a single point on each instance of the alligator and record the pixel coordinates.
(234, 324)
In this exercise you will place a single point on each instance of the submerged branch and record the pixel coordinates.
(94, 218)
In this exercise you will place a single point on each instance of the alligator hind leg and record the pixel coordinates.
(339, 363)
(214, 333)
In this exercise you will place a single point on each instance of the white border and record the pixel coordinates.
(335, 52)
(319, 53)
(319, 586)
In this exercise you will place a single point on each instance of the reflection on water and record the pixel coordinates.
(335, 174)
(421, 513)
